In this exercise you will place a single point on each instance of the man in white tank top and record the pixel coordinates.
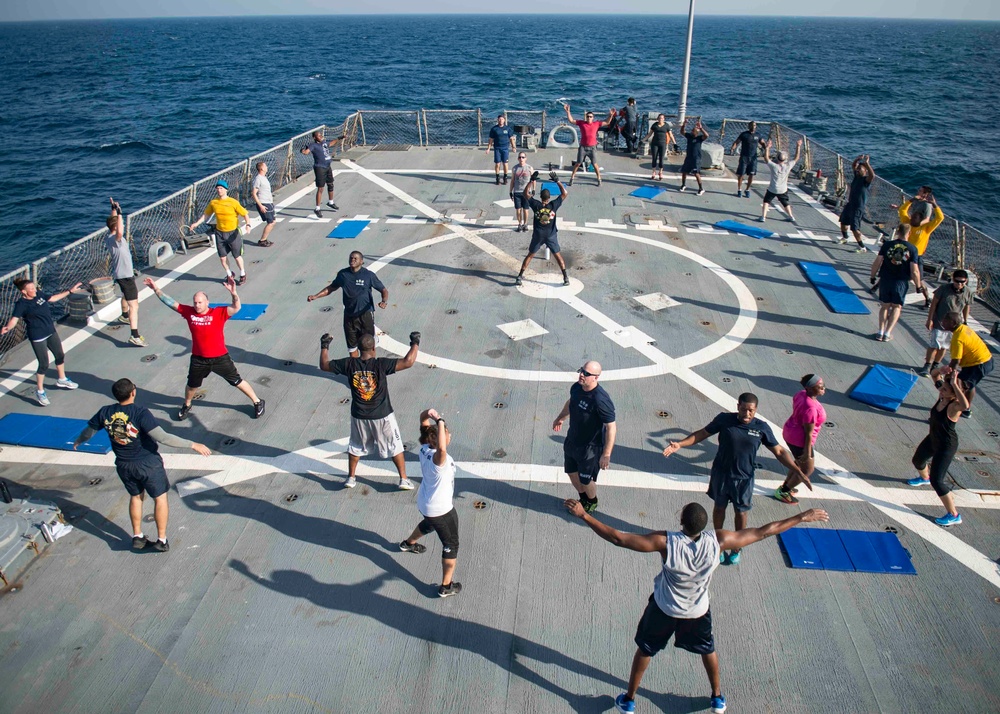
(435, 499)
(678, 607)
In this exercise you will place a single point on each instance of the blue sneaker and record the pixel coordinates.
(624, 705)
(919, 482)
(723, 558)
(718, 704)
(734, 559)
(948, 520)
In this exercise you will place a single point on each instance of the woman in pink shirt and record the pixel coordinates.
(800, 432)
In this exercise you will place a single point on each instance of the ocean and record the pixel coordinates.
(139, 109)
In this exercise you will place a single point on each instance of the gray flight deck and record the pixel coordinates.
(284, 592)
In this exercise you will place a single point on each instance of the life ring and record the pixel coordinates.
(552, 143)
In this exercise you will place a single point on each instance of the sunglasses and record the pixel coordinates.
(959, 282)
(522, 156)
(585, 373)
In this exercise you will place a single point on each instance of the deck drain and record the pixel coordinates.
(631, 252)
(296, 282)
(737, 258)
(148, 518)
(479, 505)
(829, 425)
(579, 267)
(115, 327)
(687, 273)
(326, 309)
(254, 331)
(789, 352)
(992, 434)
(452, 311)
(760, 299)
(288, 363)
(891, 529)
(345, 400)
(264, 381)
(95, 481)
(230, 441)
(149, 358)
(499, 454)
(291, 498)
(408, 282)
(705, 322)
(663, 415)
(579, 315)
(985, 474)
(255, 262)
(726, 379)
(198, 396)
(499, 405)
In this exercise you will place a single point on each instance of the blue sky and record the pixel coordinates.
(90, 9)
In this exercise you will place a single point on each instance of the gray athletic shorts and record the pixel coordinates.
(940, 339)
(379, 433)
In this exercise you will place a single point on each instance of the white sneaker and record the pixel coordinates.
(862, 249)
(843, 241)
(351, 482)
(42, 398)
(406, 484)
(682, 189)
(139, 341)
(701, 191)
(66, 383)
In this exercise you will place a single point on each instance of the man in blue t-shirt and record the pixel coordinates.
(544, 232)
(591, 435)
(502, 140)
(357, 283)
(749, 141)
(320, 150)
(692, 159)
(134, 435)
(740, 436)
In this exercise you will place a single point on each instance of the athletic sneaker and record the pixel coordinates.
(184, 411)
(449, 590)
(123, 319)
(161, 545)
(318, 211)
(925, 371)
(139, 542)
(967, 414)
(42, 398)
(498, 179)
(138, 341)
(333, 205)
(505, 179)
(258, 409)
(739, 194)
(948, 520)
(518, 282)
(413, 548)
(760, 219)
(242, 280)
(700, 191)
(785, 496)
(734, 559)
(66, 383)
(570, 182)
(682, 189)
(623, 705)
(590, 506)
(862, 249)
(718, 704)
(843, 241)
(406, 484)
(723, 557)
(351, 482)
(565, 280)
(918, 482)
(746, 194)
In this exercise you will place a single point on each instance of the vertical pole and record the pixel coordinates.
(682, 107)
(361, 121)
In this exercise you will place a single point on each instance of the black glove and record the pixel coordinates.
(325, 340)
(874, 280)
(414, 338)
(553, 176)
(534, 176)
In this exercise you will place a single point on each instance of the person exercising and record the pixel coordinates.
(544, 232)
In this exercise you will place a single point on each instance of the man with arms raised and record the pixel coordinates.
(544, 232)
(357, 282)
(588, 140)
(123, 272)
(228, 240)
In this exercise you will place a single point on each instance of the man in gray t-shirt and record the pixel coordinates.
(123, 272)
(520, 177)
(951, 297)
(261, 192)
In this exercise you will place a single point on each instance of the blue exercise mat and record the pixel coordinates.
(648, 192)
(552, 187)
(846, 551)
(49, 432)
(348, 229)
(248, 311)
(834, 291)
(737, 227)
(883, 387)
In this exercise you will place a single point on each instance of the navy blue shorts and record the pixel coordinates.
(747, 167)
(975, 374)
(656, 628)
(893, 291)
(851, 217)
(324, 176)
(267, 215)
(738, 492)
(586, 463)
(691, 165)
(519, 200)
(143, 475)
(501, 155)
(537, 242)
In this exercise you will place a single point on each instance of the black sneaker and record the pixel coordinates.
(318, 211)
(449, 590)
(517, 281)
(967, 414)
(590, 506)
(417, 548)
(258, 409)
(333, 206)
(505, 179)
(565, 279)
(184, 411)
(242, 280)
(161, 546)
(498, 179)
(139, 542)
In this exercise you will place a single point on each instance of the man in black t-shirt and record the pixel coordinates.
(134, 435)
(692, 159)
(357, 282)
(591, 435)
(733, 469)
(894, 268)
(372, 422)
(544, 231)
(749, 141)
(322, 169)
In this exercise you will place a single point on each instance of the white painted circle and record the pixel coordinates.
(549, 286)
(662, 364)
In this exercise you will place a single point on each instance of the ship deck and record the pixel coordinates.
(285, 592)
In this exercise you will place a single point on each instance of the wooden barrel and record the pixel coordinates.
(80, 306)
(103, 289)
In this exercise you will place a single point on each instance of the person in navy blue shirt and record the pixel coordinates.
(692, 160)
(134, 436)
(502, 140)
(322, 169)
(33, 308)
(357, 283)
(733, 469)
(591, 435)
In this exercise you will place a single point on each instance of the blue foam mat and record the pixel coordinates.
(49, 432)
(248, 311)
(801, 551)
(737, 227)
(846, 551)
(884, 388)
(832, 553)
(348, 229)
(648, 192)
(552, 187)
(834, 291)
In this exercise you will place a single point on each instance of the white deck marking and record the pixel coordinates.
(312, 219)
(410, 220)
(605, 223)
(505, 203)
(652, 225)
(656, 301)
(109, 313)
(522, 329)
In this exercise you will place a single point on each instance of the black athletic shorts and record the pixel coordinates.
(738, 492)
(691, 166)
(145, 474)
(267, 215)
(851, 217)
(656, 628)
(538, 242)
(747, 166)
(782, 198)
(223, 366)
(975, 374)
(128, 287)
(893, 291)
(354, 327)
(446, 527)
(229, 242)
(324, 176)
(797, 451)
(585, 462)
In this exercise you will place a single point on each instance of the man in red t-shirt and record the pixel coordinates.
(588, 140)
(208, 344)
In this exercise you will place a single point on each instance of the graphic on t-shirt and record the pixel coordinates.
(545, 215)
(120, 429)
(898, 254)
(365, 384)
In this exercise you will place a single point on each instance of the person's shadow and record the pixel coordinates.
(504, 649)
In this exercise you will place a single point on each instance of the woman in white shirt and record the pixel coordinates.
(435, 499)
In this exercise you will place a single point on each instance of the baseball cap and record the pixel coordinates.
(223, 183)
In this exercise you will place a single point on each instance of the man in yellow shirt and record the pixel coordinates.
(228, 240)
(968, 352)
(922, 223)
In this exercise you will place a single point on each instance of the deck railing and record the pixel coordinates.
(953, 244)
